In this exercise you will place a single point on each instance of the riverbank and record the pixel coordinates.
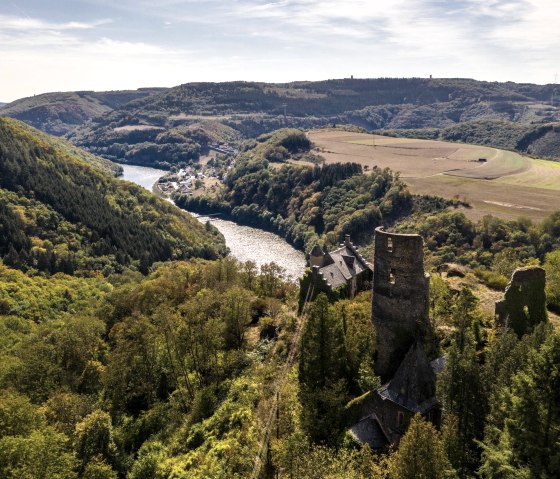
(246, 243)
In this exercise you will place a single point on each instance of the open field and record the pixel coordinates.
(507, 185)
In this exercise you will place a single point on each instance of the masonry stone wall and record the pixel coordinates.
(400, 297)
(524, 303)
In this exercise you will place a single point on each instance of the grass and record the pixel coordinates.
(508, 185)
(501, 163)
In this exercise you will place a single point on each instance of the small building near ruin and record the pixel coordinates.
(344, 270)
(388, 410)
(524, 303)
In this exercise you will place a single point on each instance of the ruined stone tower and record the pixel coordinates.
(400, 297)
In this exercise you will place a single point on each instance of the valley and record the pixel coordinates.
(139, 341)
(244, 242)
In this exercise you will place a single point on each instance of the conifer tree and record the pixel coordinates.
(421, 454)
(527, 444)
(322, 372)
(461, 392)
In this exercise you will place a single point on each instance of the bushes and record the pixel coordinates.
(492, 279)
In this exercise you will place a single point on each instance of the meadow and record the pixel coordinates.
(492, 181)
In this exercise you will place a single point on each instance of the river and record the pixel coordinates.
(244, 242)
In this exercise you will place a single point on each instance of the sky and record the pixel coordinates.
(68, 45)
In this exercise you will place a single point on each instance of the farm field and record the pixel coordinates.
(506, 184)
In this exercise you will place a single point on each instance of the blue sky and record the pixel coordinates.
(60, 45)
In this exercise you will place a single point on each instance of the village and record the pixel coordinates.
(196, 178)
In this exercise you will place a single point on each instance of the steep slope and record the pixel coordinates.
(255, 108)
(58, 213)
(58, 113)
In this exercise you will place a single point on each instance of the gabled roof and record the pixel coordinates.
(368, 431)
(342, 265)
(414, 384)
(316, 251)
(333, 275)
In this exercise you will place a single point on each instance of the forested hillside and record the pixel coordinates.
(308, 204)
(59, 213)
(58, 113)
(138, 378)
(137, 132)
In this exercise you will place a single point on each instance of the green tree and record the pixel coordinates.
(43, 454)
(97, 468)
(322, 371)
(18, 417)
(94, 439)
(460, 389)
(529, 438)
(150, 462)
(552, 267)
(359, 337)
(236, 313)
(421, 454)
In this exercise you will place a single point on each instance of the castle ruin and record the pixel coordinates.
(524, 303)
(400, 297)
(400, 308)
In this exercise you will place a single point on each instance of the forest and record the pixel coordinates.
(135, 131)
(307, 204)
(130, 348)
(61, 214)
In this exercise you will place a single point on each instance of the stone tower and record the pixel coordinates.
(400, 297)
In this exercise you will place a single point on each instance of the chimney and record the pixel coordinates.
(347, 241)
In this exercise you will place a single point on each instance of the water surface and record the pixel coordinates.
(244, 242)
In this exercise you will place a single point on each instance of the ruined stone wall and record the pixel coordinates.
(400, 297)
(524, 303)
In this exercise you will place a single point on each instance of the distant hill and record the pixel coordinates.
(58, 113)
(254, 108)
(59, 213)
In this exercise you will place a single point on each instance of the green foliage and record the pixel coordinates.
(461, 391)
(41, 454)
(552, 267)
(525, 443)
(307, 205)
(421, 453)
(322, 371)
(304, 461)
(150, 462)
(492, 245)
(97, 468)
(359, 334)
(95, 371)
(94, 439)
(18, 417)
(73, 216)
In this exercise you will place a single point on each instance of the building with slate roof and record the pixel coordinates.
(387, 412)
(344, 270)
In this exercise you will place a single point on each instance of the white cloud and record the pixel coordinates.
(167, 42)
(26, 24)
